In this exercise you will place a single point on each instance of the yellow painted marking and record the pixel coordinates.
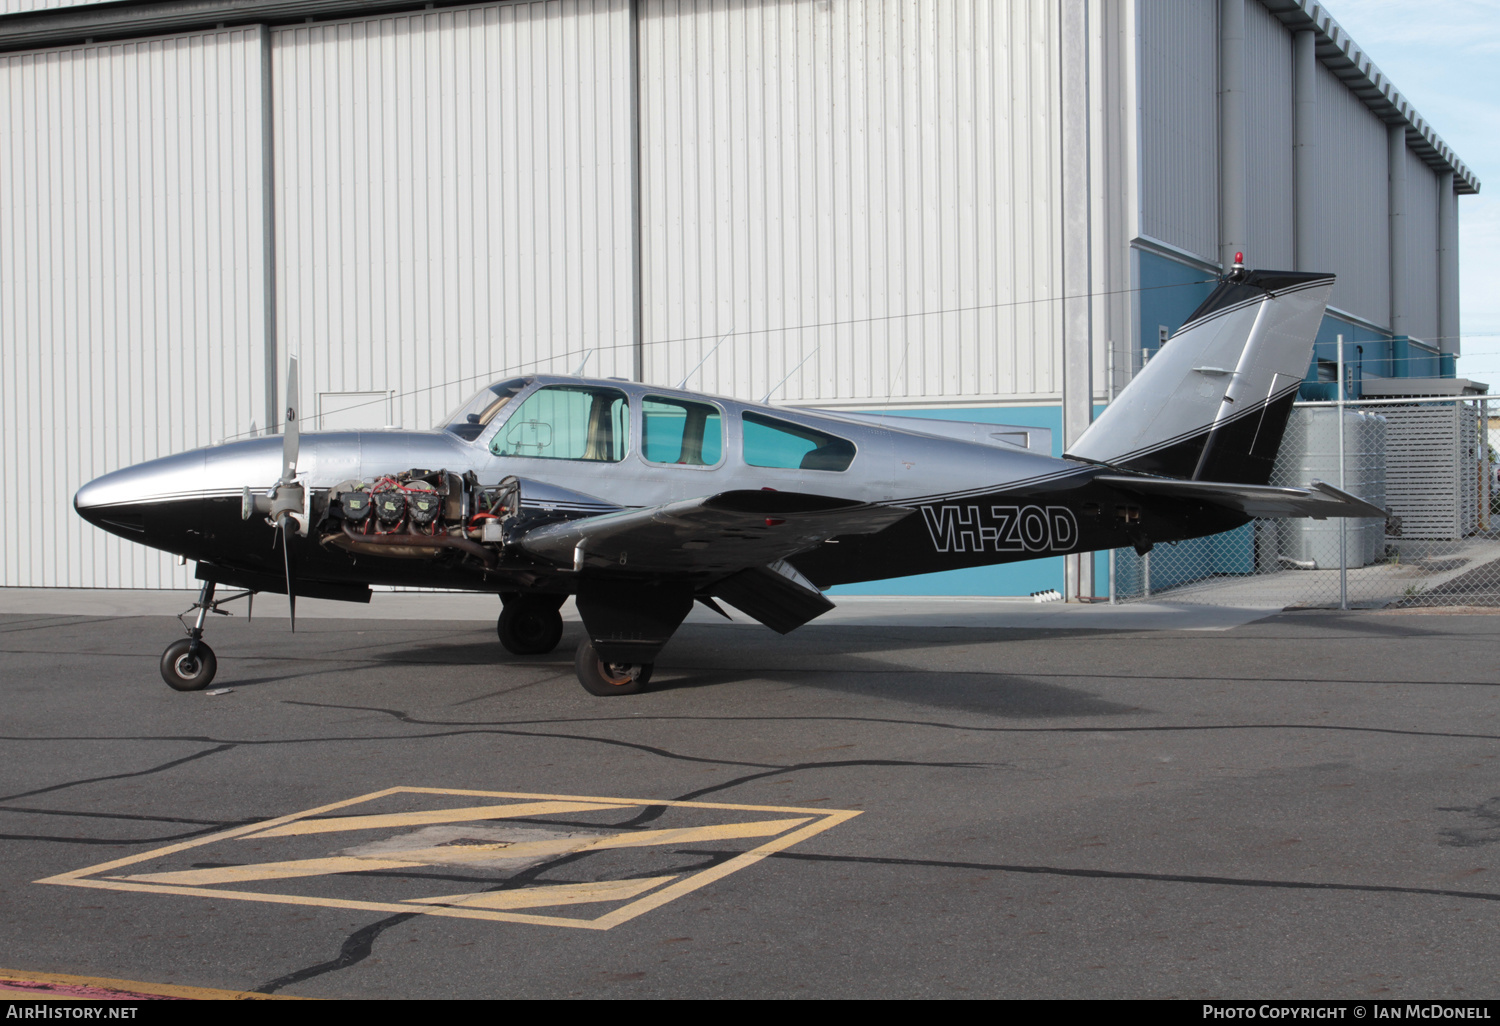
(708, 876)
(428, 817)
(554, 894)
(274, 871)
(172, 849)
(171, 990)
(783, 834)
(570, 798)
(692, 835)
(463, 853)
(456, 912)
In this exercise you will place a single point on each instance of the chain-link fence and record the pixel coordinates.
(1428, 461)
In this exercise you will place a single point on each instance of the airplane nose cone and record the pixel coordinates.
(160, 480)
(120, 502)
(219, 472)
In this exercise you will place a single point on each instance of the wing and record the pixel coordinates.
(721, 533)
(1318, 500)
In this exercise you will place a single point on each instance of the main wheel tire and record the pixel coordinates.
(529, 628)
(605, 679)
(186, 670)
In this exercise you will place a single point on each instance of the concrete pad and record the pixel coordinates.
(851, 611)
(1302, 807)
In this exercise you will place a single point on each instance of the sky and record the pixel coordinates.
(1444, 56)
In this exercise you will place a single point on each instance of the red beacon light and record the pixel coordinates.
(1237, 272)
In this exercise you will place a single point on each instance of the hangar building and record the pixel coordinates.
(973, 209)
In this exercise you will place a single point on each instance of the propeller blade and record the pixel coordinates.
(286, 555)
(290, 432)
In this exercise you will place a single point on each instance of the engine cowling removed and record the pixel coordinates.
(421, 514)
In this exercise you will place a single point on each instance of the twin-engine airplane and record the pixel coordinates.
(639, 500)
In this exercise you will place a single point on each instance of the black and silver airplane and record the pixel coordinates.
(638, 500)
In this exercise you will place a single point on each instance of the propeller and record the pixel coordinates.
(291, 432)
(288, 499)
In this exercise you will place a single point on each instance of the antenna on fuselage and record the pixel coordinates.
(583, 363)
(767, 397)
(715, 349)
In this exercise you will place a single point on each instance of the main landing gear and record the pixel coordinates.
(626, 624)
(601, 678)
(530, 624)
(189, 664)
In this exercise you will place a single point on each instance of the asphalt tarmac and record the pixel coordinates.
(1303, 806)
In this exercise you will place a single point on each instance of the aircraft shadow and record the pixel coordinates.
(991, 694)
(699, 659)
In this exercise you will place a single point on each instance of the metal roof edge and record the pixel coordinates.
(1338, 51)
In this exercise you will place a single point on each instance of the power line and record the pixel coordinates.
(493, 374)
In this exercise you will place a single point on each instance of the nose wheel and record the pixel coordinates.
(189, 664)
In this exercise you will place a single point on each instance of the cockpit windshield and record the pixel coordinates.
(470, 419)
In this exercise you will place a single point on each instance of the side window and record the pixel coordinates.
(568, 422)
(680, 431)
(776, 443)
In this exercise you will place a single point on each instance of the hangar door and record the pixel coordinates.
(130, 280)
(453, 200)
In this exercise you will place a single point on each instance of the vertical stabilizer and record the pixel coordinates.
(1214, 401)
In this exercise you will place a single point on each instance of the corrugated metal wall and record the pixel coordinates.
(129, 279)
(1113, 207)
(870, 185)
(1177, 47)
(1352, 200)
(1421, 248)
(1269, 191)
(453, 199)
(816, 174)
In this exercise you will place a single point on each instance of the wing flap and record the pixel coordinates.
(1318, 500)
(776, 595)
(724, 532)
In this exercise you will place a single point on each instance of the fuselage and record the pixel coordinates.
(975, 504)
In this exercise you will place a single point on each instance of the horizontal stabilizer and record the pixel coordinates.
(1318, 500)
(776, 595)
(726, 532)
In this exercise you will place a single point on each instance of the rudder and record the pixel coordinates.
(1213, 403)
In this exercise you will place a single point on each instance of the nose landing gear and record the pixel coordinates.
(189, 664)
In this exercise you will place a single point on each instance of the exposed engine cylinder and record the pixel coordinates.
(420, 514)
(422, 506)
(356, 505)
(390, 507)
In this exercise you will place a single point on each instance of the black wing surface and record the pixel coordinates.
(1318, 500)
(722, 533)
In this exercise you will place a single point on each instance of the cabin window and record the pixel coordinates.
(778, 443)
(681, 432)
(568, 422)
(469, 420)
